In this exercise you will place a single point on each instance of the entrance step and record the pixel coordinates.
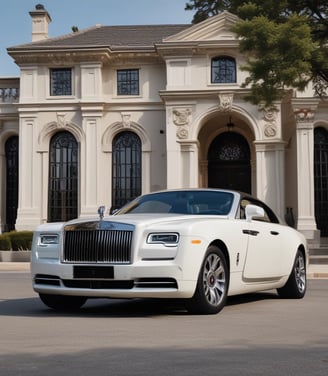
(319, 253)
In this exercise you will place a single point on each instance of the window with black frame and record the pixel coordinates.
(223, 70)
(60, 81)
(11, 153)
(63, 177)
(128, 82)
(126, 171)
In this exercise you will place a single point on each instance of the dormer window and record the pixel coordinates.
(223, 70)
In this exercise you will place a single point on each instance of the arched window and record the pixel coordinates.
(126, 171)
(11, 152)
(223, 70)
(321, 179)
(63, 178)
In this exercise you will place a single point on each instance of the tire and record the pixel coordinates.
(295, 287)
(63, 302)
(212, 285)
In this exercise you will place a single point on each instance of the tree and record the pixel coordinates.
(285, 42)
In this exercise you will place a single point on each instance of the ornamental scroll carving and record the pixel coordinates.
(304, 115)
(270, 124)
(226, 100)
(182, 118)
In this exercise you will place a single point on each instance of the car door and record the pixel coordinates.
(264, 250)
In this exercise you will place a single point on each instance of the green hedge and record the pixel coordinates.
(16, 240)
(5, 242)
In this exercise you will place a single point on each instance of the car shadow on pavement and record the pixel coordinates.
(33, 307)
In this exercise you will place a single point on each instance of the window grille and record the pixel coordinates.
(223, 70)
(128, 82)
(63, 178)
(11, 152)
(229, 162)
(126, 171)
(60, 81)
(321, 179)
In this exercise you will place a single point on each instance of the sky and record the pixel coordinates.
(16, 23)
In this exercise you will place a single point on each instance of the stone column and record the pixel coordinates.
(270, 158)
(182, 151)
(28, 215)
(304, 116)
(90, 164)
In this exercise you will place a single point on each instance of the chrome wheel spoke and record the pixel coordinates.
(214, 279)
(300, 273)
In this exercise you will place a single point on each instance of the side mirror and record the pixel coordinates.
(254, 211)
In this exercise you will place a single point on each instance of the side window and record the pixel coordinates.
(128, 82)
(223, 70)
(60, 81)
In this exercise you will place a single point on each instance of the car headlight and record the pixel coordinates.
(49, 239)
(169, 239)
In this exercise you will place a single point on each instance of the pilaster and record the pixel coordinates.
(28, 214)
(270, 180)
(90, 161)
(304, 116)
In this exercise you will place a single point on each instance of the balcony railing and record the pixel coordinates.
(9, 94)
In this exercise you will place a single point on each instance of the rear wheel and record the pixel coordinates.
(212, 285)
(295, 287)
(63, 302)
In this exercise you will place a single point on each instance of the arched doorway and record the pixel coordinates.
(229, 162)
(126, 169)
(63, 177)
(321, 179)
(11, 152)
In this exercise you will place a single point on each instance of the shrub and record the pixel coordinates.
(20, 240)
(5, 242)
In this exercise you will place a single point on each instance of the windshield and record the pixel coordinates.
(181, 202)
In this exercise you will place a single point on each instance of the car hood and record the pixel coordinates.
(128, 219)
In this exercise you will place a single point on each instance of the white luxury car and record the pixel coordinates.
(198, 245)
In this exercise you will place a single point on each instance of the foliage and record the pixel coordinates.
(16, 240)
(5, 242)
(286, 43)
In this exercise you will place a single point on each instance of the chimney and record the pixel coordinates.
(40, 22)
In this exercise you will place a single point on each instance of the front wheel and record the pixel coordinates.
(295, 287)
(63, 302)
(212, 285)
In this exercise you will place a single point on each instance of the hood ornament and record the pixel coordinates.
(101, 212)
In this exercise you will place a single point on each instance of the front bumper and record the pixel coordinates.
(144, 279)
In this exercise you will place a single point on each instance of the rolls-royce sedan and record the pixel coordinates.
(197, 245)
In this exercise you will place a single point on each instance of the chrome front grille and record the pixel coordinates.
(97, 246)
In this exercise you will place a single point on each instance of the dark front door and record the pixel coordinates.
(321, 179)
(229, 163)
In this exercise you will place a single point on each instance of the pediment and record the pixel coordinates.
(214, 28)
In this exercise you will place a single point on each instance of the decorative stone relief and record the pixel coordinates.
(304, 115)
(61, 122)
(126, 119)
(270, 125)
(182, 118)
(226, 100)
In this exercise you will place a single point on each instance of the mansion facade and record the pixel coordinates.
(102, 115)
